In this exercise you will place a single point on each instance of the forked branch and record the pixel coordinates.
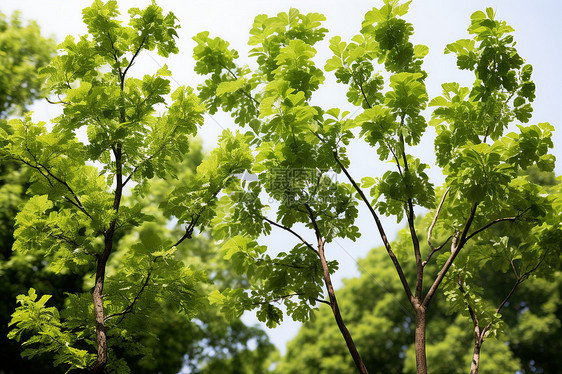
(458, 242)
(380, 229)
(490, 224)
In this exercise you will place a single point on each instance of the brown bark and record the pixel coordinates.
(101, 336)
(336, 311)
(332, 296)
(421, 363)
(475, 358)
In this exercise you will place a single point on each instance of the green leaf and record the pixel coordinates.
(229, 87)
(420, 51)
(216, 298)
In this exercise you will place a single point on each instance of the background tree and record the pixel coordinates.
(23, 51)
(480, 160)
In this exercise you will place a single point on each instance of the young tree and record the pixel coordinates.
(378, 313)
(77, 214)
(298, 145)
(377, 310)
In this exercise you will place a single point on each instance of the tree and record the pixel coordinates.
(173, 340)
(377, 310)
(23, 51)
(298, 145)
(77, 214)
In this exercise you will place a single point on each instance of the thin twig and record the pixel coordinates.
(292, 232)
(129, 308)
(76, 203)
(430, 231)
(496, 221)
(470, 311)
(189, 230)
(278, 298)
(436, 250)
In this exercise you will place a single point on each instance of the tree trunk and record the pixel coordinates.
(337, 315)
(476, 357)
(421, 363)
(101, 336)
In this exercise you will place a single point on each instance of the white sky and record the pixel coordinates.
(436, 22)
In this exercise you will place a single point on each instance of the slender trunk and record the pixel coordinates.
(421, 363)
(101, 336)
(476, 357)
(336, 311)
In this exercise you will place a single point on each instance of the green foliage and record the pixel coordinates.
(274, 101)
(23, 51)
(32, 317)
(481, 146)
(193, 200)
(76, 216)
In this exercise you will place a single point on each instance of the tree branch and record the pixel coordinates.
(436, 249)
(456, 245)
(129, 308)
(38, 167)
(365, 96)
(430, 231)
(64, 239)
(332, 296)
(189, 230)
(160, 149)
(411, 223)
(470, 311)
(65, 184)
(277, 299)
(380, 229)
(292, 232)
(132, 61)
(512, 219)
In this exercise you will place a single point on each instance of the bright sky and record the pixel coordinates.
(436, 22)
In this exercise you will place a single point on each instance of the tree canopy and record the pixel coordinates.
(23, 51)
(100, 208)
(79, 223)
(296, 145)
